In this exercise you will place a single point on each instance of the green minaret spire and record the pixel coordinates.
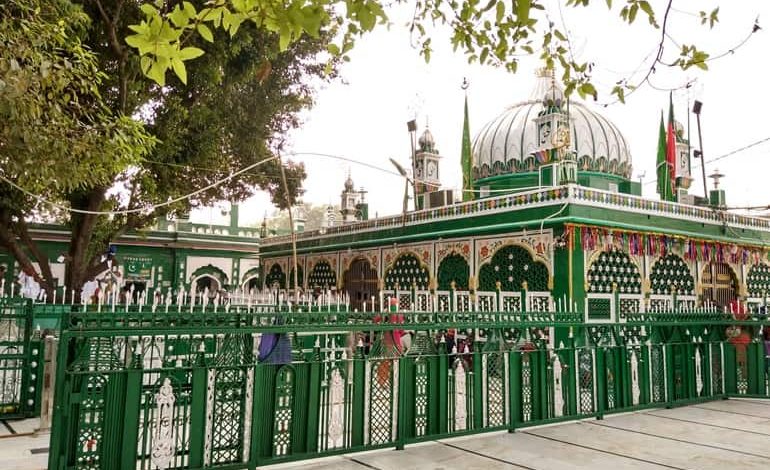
(466, 159)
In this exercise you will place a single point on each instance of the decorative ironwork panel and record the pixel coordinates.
(585, 379)
(486, 301)
(610, 373)
(494, 380)
(164, 424)
(671, 274)
(511, 265)
(322, 276)
(511, 301)
(657, 374)
(453, 268)
(19, 364)
(228, 415)
(407, 272)
(90, 431)
(381, 397)
(284, 401)
(421, 397)
(716, 369)
(758, 281)
(526, 387)
(599, 308)
(614, 268)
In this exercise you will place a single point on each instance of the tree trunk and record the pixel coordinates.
(82, 229)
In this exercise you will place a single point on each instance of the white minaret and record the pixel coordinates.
(348, 201)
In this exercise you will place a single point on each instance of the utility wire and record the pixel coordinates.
(728, 154)
(137, 210)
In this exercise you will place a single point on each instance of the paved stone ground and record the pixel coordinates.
(715, 435)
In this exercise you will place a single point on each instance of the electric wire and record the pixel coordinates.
(150, 208)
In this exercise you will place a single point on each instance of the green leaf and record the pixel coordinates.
(333, 49)
(522, 9)
(157, 73)
(632, 11)
(609, 4)
(500, 10)
(205, 32)
(189, 53)
(179, 69)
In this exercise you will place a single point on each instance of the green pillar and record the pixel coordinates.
(479, 400)
(198, 411)
(359, 388)
(601, 382)
(133, 404)
(514, 387)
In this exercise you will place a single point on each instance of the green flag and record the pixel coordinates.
(466, 160)
(664, 177)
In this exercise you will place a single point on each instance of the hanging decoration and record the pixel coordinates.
(639, 244)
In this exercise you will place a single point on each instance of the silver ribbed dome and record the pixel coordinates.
(506, 143)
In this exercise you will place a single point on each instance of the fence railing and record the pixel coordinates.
(21, 360)
(240, 386)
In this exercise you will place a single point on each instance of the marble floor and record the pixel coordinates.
(714, 435)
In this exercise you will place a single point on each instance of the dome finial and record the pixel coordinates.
(426, 141)
(349, 186)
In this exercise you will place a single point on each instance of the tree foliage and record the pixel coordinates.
(113, 140)
(496, 32)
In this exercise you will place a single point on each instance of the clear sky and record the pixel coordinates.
(363, 116)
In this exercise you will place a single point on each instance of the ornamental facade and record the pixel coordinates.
(555, 215)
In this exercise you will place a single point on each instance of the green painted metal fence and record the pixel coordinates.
(21, 353)
(236, 387)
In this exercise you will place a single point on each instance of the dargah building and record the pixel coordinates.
(555, 221)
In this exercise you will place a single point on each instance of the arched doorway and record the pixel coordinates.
(206, 283)
(719, 284)
(360, 282)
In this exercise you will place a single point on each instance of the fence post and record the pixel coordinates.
(359, 398)
(405, 372)
(756, 362)
(443, 388)
(601, 381)
(132, 403)
(198, 410)
(668, 351)
(514, 379)
(50, 349)
(479, 400)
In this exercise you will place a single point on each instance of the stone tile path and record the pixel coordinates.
(713, 435)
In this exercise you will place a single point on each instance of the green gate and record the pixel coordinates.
(20, 354)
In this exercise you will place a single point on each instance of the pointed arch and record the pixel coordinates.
(669, 272)
(511, 265)
(453, 268)
(407, 270)
(322, 276)
(758, 280)
(614, 267)
(275, 277)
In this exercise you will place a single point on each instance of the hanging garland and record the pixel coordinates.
(634, 243)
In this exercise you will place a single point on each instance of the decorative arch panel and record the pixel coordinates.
(511, 265)
(614, 267)
(453, 268)
(758, 280)
(671, 272)
(322, 275)
(407, 270)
